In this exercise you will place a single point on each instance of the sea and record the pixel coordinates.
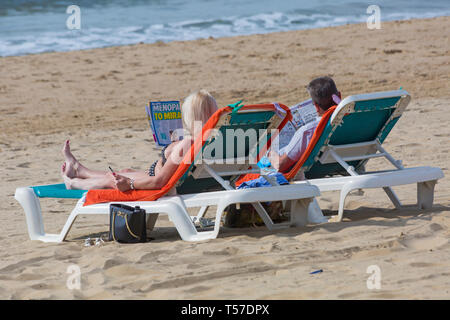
(35, 26)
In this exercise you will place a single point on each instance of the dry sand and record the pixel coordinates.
(96, 98)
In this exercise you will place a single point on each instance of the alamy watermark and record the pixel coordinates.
(73, 22)
(374, 280)
(74, 279)
(374, 20)
(229, 146)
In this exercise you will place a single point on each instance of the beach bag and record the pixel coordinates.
(127, 224)
(246, 215)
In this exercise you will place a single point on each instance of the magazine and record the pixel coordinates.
(165, 122)
(302, 113)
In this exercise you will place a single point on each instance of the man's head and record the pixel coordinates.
(321, 91)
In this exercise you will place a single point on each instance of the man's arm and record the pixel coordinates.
(281, 163)
(294, 150)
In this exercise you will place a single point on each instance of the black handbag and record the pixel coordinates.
(127, 224)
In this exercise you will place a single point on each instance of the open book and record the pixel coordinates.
(302, 113)
(164, 118)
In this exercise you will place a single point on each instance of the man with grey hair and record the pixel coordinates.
(324, 94)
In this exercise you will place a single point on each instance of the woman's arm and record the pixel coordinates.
(159, 180)
(162, 176)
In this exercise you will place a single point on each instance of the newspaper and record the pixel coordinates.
(302, 113)
(165, 122)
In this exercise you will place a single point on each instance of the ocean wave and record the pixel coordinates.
(87, 38)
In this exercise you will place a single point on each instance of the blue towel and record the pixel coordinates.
(264, 163)
(262, 182)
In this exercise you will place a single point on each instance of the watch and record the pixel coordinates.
(131, 184)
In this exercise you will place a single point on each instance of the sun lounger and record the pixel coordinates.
(351, 134)
(204, 178)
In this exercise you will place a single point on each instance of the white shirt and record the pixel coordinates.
(299, 142)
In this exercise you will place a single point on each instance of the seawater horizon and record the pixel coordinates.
(36, 26)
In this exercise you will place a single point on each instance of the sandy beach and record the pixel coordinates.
(96, 99)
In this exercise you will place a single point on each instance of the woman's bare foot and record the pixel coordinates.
(63, 169)
(67, 182)
(71, 165)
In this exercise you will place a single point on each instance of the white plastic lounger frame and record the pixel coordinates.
(301, 208)
(176, 208)
(425, 177)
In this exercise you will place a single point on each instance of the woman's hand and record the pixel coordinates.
(122, 183)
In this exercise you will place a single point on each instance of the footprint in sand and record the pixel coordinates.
(19, 266)
(24, 165)
(421, 264)
(152, 256)
(113, 262)
(95, 278)
(64, 255)
(228, 251)
(392, 51)
(198, 289)
(435, 227)
(28, 277)
(349, 295)
(124, 270)
(428, 243)
(43, 286)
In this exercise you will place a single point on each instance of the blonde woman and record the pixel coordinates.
(197, 108)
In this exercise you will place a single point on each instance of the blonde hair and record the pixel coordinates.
(198, 106)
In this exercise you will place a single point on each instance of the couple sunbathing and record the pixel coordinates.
(198, 106)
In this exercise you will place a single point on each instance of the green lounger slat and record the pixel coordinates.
(257, 121)
(371, 119)
(352, 136)
(57, 191)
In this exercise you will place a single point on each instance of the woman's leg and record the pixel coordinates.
(74, 169)
(105, 182)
